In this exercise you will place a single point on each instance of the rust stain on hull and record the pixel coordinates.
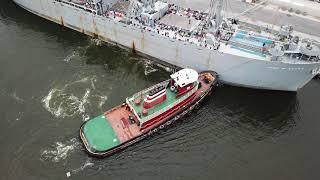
(102, 37)
(61, 21)
(133, 47)
(81, 22)
(95, 35)
(96, 31)
(142, 41)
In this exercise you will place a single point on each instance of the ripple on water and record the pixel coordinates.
(72, 99)
(97, 42)
(71, 56)
(62, 104)
(149, 67)
(87, 163)
(60, 150)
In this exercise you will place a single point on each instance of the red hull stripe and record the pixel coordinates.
(168, 113)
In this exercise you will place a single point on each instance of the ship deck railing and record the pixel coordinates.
(191, 40)
(252, 49)
(83, 7)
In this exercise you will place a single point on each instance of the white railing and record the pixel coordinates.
(83, 7)
(147, 118)
(132, 109)
(141, 26)
(138, 94)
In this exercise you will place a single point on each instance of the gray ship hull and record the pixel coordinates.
(232, 69)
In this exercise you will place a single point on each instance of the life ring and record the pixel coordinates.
(155, 130)
(172, 88)
(162, 126)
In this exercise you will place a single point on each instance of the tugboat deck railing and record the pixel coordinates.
(170, 102)
(157, 113)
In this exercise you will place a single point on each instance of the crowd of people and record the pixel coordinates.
(197, 36)
(89, 4)
(187, 12)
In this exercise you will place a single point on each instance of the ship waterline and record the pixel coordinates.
(231, 68)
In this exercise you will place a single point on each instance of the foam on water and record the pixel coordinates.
(151, 66)
(16, 97)
(62, 102)
(96, 42)
(67, 105)
(93, 80)
(83, 80)
(19, 116)
(86, 164)
(70, 56)
(83, 101)
(148, 67)
(85, 117)
(103, 100)
(59, 150)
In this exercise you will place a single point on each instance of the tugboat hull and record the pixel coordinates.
(183, 108)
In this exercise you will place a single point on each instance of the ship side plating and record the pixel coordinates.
(232, 68)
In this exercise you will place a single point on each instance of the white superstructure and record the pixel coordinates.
(185, 77)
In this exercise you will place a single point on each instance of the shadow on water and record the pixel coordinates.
(12, 14)
(111, 57)
(115, 59)
(228, 121)
(256, 113)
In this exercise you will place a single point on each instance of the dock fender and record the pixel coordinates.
(213, 73)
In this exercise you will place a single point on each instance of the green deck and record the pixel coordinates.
(171, 98)
(99, 134)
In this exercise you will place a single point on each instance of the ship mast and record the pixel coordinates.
(131, 10)
(215, 14)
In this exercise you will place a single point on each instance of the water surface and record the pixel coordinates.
(53, 79)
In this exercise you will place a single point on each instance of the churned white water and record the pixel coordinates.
(60, 150)
(63, 102)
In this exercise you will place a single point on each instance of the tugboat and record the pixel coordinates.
(146, 112)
